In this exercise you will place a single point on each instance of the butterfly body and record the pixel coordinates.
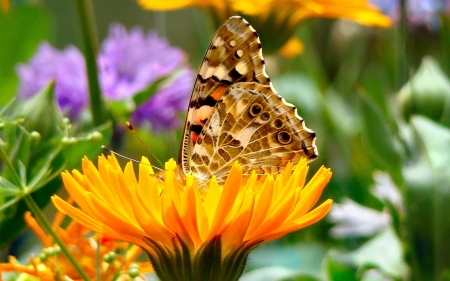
(235, 113)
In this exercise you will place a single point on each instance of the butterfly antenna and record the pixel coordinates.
(128, 158)
(128, 124)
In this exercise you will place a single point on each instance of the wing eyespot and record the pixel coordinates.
(283, 137)
(278, 123)
(265, 116)
(255, 109)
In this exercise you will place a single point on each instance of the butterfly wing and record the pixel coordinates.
(234, 55)
(254, 125)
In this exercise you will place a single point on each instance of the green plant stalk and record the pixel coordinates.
(39, 215)
(117, 274)
(10, 166)
(91, 47)
(402, 74)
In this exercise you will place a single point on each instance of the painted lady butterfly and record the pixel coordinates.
(235, 114)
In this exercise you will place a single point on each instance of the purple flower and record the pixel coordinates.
(163, 109)
(66, 67)
(419, 12)
(130, 61)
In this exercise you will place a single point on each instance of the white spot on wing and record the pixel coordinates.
(207, 71)
(218, 42)
(240, 53)
(241, 67)
(221, 72)
(233, 43)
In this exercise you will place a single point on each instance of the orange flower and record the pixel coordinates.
(173, 222)
(276, 20)
(53, 265)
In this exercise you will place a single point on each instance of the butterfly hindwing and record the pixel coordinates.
(235, 114)
(254, 125)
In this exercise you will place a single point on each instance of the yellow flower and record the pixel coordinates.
(5, 5)
(54, 265)
(179, 226)
(276, 20)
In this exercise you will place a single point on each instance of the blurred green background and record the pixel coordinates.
(378, 99)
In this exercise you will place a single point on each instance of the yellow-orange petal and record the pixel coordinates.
(293, 47)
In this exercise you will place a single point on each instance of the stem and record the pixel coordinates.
(402, 75)
(91, 47)
(15, 176)
(39, 215)
(122, 263)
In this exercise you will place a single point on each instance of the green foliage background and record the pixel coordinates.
(378, 99)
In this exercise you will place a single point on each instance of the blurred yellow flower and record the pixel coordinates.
(172, 221)
(360, 11)
(5, 4)
(52, 264)
(276, 20)
(292, 48)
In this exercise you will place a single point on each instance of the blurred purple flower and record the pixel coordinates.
(130, 61)
(163, 109)
(66, 67)
(419, 12)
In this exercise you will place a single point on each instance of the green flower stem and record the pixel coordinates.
(38, 214)
(91, 47)
(402, 76)
(15, 176)
(122, 263)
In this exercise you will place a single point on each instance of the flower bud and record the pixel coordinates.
(427, 93)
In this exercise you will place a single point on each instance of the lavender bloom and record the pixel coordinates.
(130, 62)
(163, 109)
(419, 12)
(66, 67)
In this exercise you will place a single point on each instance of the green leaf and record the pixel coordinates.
(375, 83)
(43, 106)
(338, 270)
(435, 138)
(436, 141)
(6, 185)
(46, 159)
(341, 115)
(379, 140)
(144, 95)
(275, 273)
(301, 258)
(427, 93)
(21, 30)
(300, 90)
(383, 252)
(355, 54)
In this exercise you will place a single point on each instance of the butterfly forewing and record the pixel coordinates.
(235, 114)
(234, 55)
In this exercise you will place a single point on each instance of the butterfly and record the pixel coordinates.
(235, 114)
